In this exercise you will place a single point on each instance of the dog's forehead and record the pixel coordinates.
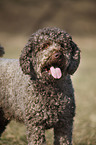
(54, 46)
(43, 38)
(51, 34)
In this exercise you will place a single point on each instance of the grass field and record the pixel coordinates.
(85, 88)
(84, 81)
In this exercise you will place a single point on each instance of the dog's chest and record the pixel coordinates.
(52, 105)
(48, 104)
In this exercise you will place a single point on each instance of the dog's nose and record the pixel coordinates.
(58, 55)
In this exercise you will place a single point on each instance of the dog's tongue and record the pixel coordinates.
(56, 72)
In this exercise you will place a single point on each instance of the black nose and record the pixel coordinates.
(58, 55)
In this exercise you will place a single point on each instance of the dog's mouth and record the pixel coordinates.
(54, 66)
(56, 72)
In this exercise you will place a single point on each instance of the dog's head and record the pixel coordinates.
(50, 53)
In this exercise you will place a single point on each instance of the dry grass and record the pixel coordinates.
(85, 83)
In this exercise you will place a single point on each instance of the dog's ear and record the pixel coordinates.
(75, 58)
(26, 61)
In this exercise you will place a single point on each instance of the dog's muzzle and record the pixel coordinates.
(55, 65)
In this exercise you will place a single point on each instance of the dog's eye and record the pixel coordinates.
(62, 45)
(46, 45)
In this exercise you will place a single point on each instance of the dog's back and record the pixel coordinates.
(9, 72)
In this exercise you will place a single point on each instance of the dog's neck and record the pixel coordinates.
(51, 85)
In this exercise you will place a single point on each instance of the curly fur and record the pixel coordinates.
(29, 93)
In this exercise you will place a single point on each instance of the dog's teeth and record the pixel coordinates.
(56, 72)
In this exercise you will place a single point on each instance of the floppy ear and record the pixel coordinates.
(75, 58)
(26, 61)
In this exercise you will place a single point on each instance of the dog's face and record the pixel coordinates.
(50, 55)
(51, 61)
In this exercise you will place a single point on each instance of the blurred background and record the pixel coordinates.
(19, 19)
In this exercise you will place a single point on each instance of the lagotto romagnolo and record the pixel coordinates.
(37, 89)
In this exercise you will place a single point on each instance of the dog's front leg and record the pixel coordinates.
(36, 135)
(63, 133)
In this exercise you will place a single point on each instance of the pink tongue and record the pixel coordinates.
(56, 72)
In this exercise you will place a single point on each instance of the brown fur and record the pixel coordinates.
(29, 93)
